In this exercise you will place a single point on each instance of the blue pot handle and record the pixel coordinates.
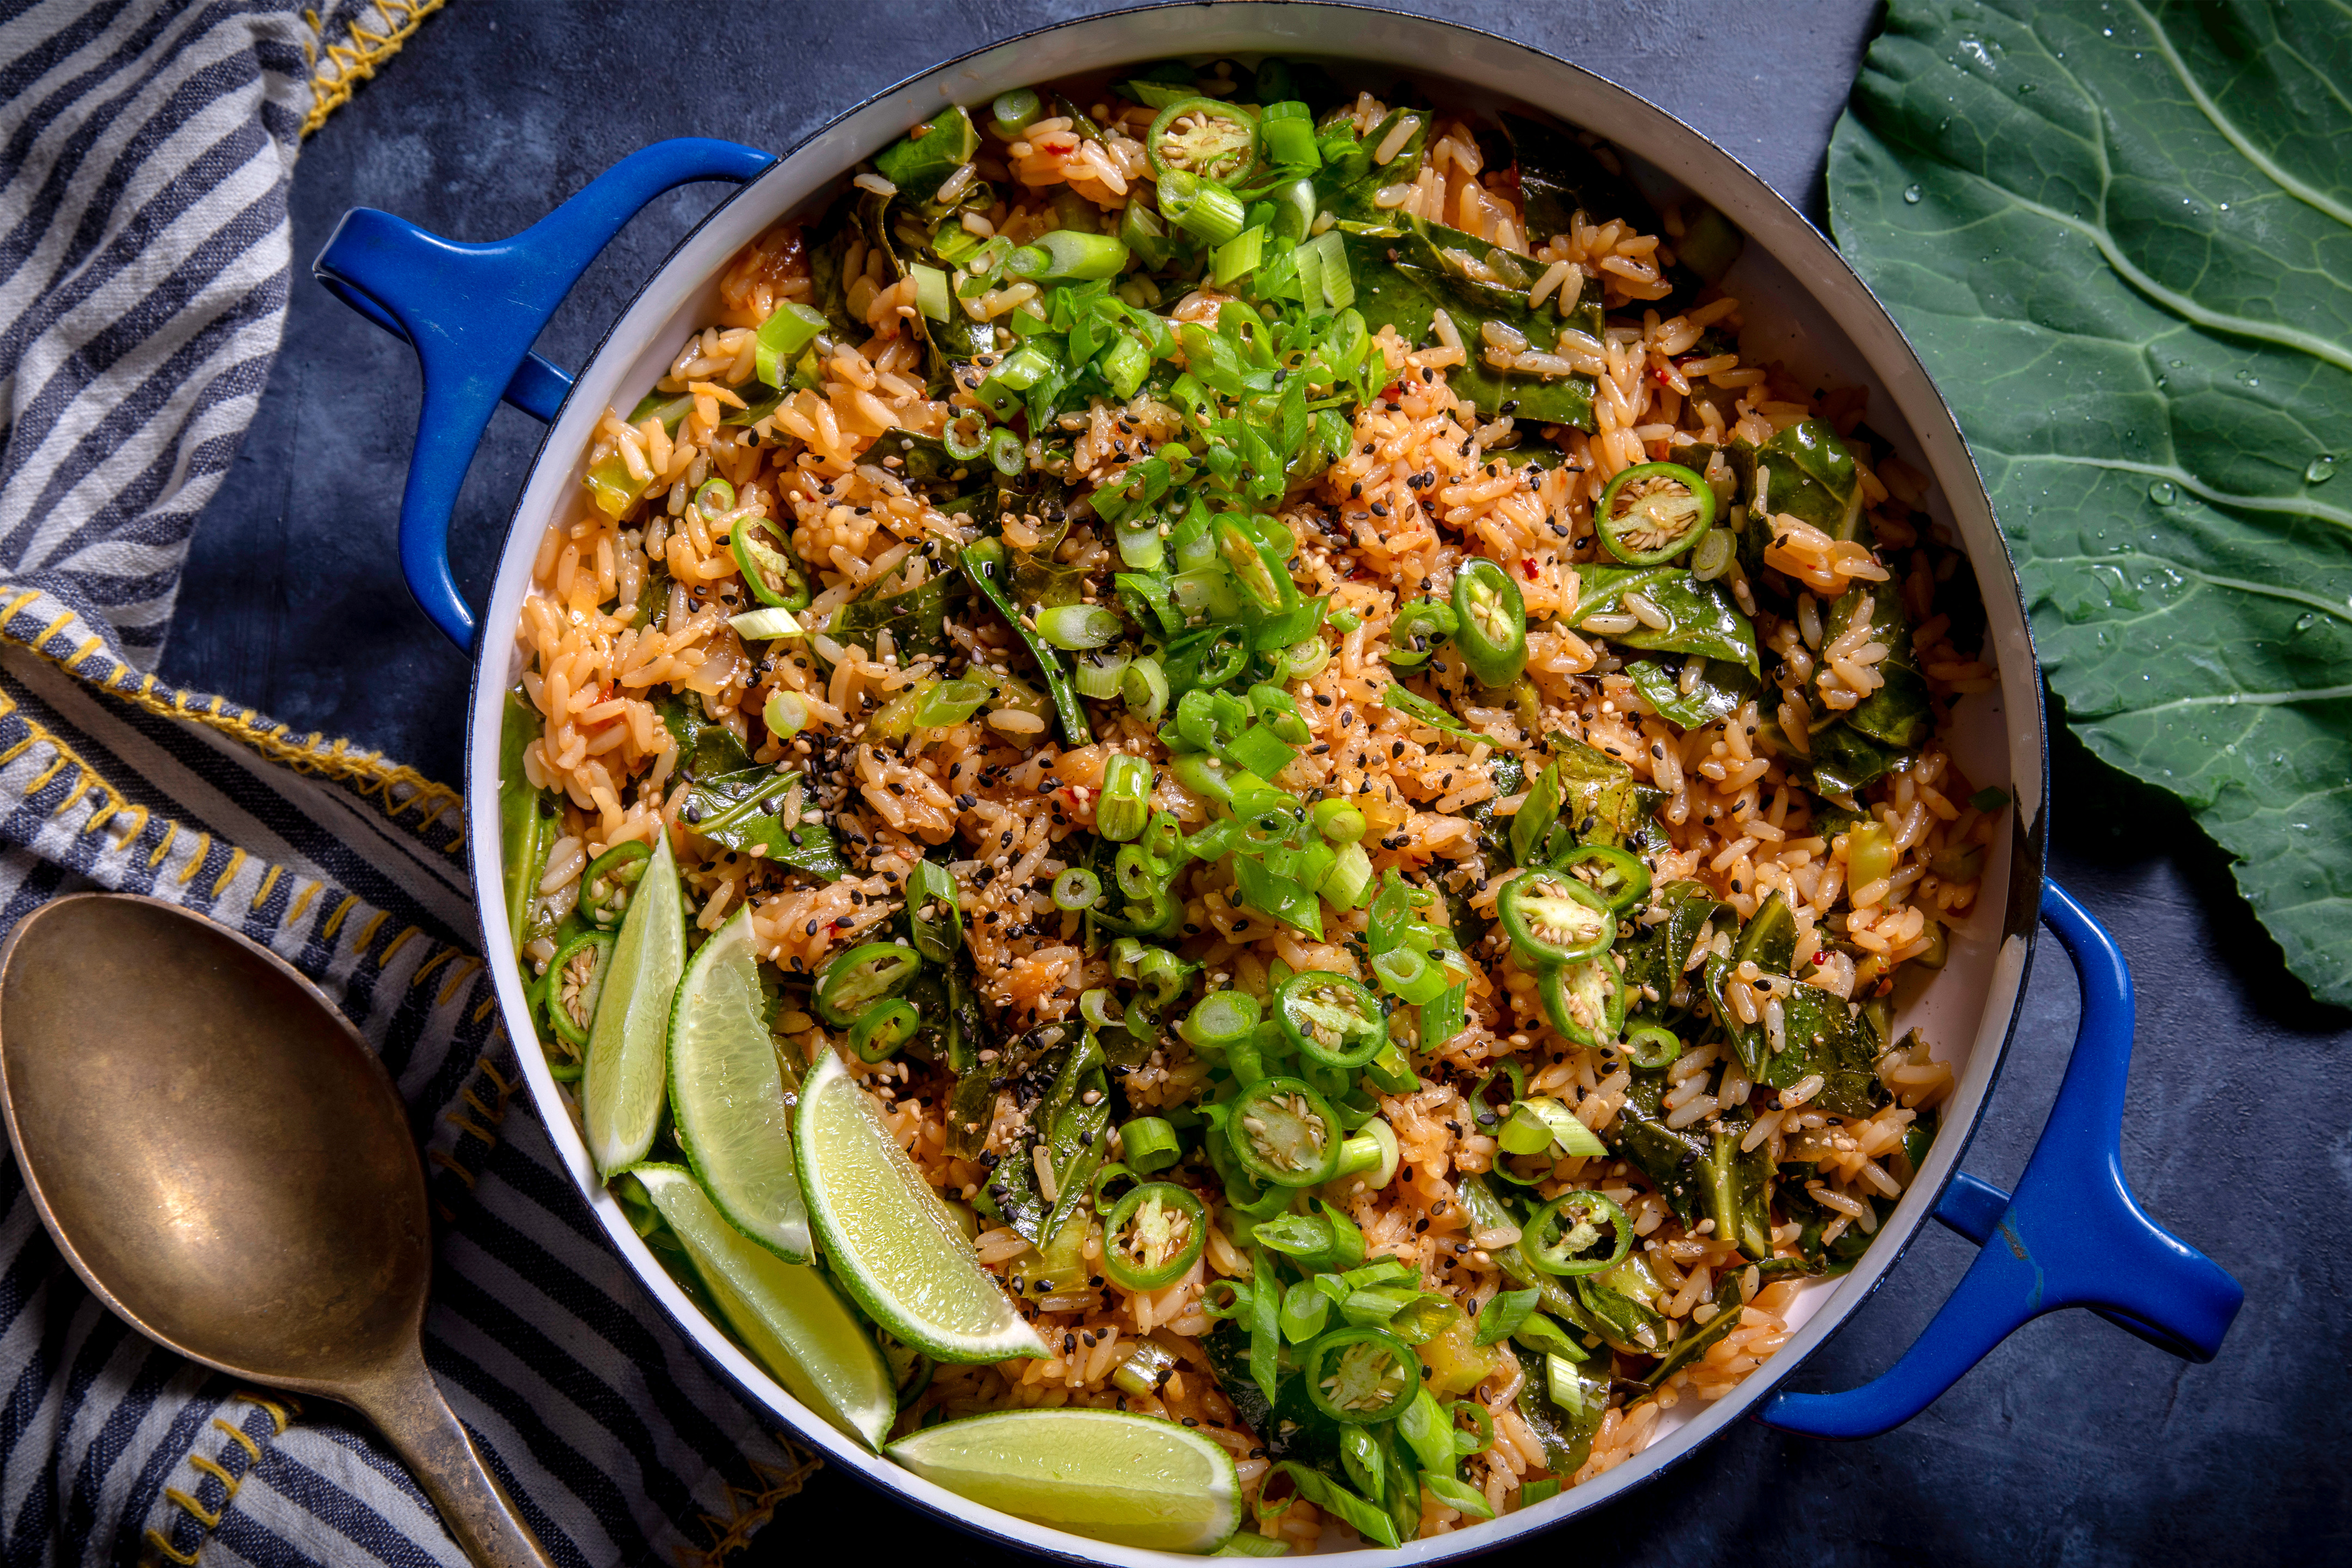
(472, 312)
(2071, 1236)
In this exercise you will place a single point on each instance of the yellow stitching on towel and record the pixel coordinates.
(212, 1469)
(171, 831)
(281, 1409)
(395, 788)
(462, 1125)
(235, 860)
(458, 976)
(447, 1163)
(383, 960)
(138, 829)
(155, 1539)
(57, 765)
(261, 894)
(281, 1416)
(356, 61)
(367, 933)
(488, 1115)
(197, 861)
(748, 1511)
(335, 921)
(237, 1434)
(302, 901)
(83, 652)
(483, 1011)
(425, 972)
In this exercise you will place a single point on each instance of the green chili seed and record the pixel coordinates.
(605, 884)
(715, 499)
(966, 437)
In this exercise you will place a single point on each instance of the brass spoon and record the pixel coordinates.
(226, 1163)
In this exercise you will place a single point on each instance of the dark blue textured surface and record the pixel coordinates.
(2072, 1443)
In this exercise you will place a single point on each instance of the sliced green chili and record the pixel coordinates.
(881, 1029)
(1284, 1132)
(1153, 1237)
(873, 971)
(1361, 1376)
(571, 1014)
(1552, 917)
(1561, 1236)
(770, 569)
(606, 885)
(715, 500)
(1006, 453)
(1653, 512)
(1493, 636)
(1202, 137)
(1417, 630)
(1330, 1018)
(1586, 1000)
(1616, 875)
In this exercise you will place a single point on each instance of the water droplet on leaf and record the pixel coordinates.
(2321, 470)
(2164, 493)
(2304, 623)
(1911, 193)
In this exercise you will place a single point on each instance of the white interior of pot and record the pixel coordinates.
(1996, 739)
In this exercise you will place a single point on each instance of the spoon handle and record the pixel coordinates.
(408, 1409)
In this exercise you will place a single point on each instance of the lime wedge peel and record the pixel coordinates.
(1133, 1480)
(890, 1239)
(621, 1086)
(794, 1324)
(727, 1093)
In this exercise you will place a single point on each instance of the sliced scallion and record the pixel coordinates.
(931, 291)
(1078, 626)
(1076, 888)
(767, 624)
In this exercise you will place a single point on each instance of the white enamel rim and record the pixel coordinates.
(1830, 321)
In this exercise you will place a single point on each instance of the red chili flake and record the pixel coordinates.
(1529, 568)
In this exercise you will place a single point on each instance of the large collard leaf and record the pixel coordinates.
(2122, 240)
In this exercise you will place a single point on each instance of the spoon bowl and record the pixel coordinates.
(223, 1160)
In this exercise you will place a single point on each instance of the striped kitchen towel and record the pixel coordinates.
(145, 150)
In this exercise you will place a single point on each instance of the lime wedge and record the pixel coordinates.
(727, 1093)
(1135, 1481)
(795, 1324)
(621, 1086)
(892, 1243)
